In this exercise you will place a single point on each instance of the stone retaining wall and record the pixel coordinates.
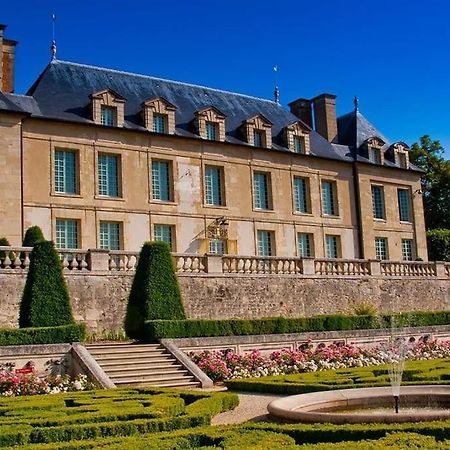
(100, 299)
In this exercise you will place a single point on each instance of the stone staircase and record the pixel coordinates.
(129, 364)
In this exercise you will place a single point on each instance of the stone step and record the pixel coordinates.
(124, 345)
(164, 383)
(118, 373)
(131, 359)
(154, 364)
(126, 351)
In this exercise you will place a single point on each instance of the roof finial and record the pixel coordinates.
(276, 92)
(356, 103)
(53, 46)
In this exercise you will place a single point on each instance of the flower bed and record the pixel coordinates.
(224, 365)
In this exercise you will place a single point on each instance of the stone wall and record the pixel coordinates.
(100, 300)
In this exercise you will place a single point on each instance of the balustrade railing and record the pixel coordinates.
(342, 267)
(104, 261)
(408, 268)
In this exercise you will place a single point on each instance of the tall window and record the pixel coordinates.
(217, 246)
(108, 115)
(261, 190)
(329, 206)
(375, 155)
(110, 235)
(164, 233)
(299, 144)
(162, 181)
(66, 233)
(332, 246)
(259, 138)
(407, 250)
(304, 243)
(404, 205)
(402, 161)
(108, 175)
(211, 131)
(265, 243)
(301, 195)
(65, 171)
(214, 186)
(381, 248)
(378, 202)
(159, 123)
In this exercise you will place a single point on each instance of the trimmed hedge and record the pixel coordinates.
(155, 293)
(159, 329)
(33, 235)
(43, 335)
(45, 301)
(438, 245)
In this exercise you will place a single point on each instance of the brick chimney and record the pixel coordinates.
(303, 110)
(325, 116)
(7, 53)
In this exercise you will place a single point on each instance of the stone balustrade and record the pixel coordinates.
(110, 261)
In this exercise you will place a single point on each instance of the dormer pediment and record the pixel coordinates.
(257, 131)
(399, 153)
(374, 141)
(209, 123)
(107, 108)
(159, 104)
(296, 137)
(159, 115)
(258, 121)
(108, 95)
(210, 113)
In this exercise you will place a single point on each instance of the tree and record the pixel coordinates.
(428, 155)
(32, 236)
(45, 300)
(155, 293)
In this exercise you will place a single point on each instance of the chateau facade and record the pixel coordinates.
(100, 158)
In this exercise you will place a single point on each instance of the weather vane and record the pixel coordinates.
(53, 46)
(276, 92)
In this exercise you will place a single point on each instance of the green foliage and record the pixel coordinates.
(45, 335)
(33, 235)
(416, 372)
(428, 155)
(363, 309)
(159, 329)
(155, 293)
(5, 243)
(95, 416)
(45, 301)
(438, 245)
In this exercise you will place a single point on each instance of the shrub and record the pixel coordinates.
(5, 243)
(155, 293)
(33, 235)
(363, 309)
(45, 301)
(438, 245)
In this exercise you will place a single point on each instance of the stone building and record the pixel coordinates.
(100, 158)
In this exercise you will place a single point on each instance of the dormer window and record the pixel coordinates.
(108, 108)
(159, 115)
(159, 123)
(372, 149)
(108, 115)
(402, 160)
(375, 155)
(258, 131)
(211, 131)
(401, 155)
(296, 138)
(209, 123)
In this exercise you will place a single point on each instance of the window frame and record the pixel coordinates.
(411, 249)
(113, 110)
(215, 241)
(337, 245)
(120, 239)
(118, 158)
(375, 155)
(77, 224)
(164, 118)
(310, 245)
(408, 205)
(170, 181)
(378, 188)
(172, 234)
(74, 151)
(211, 125)
(268, 190)
(271, 243)
(262, 138)
(221, 188)
(334, 198)
(379, 250)
(296, 139)
(306, 194)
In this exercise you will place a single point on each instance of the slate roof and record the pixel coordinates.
(7, 105)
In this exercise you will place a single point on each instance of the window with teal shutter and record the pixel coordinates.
(108, 175)
(161, 181)
(163, 233)
(300, 195)
(159, 123)
(211, 131)
(407, 249)
(404, 207)
(328, 198)
(264, 242)
(259, 138)
(261, 190)
(299, 144)
(65, 172)
(332, 246)
(66, 233)
(108, 116)
(217, 246)
(214, 186)
(378, 202)
(110, 235)
(381, 248)
(304, 242)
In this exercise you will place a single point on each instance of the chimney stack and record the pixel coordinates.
(7, 56)
(303, 110)
(325, 116)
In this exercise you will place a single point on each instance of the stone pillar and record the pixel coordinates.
(98, 260)
(214, 264)
(309, 266)
(439, 267)
(375, 267)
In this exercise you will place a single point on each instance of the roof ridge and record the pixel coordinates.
(124, 72)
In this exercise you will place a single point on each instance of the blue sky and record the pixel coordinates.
(392, 54)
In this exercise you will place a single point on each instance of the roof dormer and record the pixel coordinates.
(257, 131)
(296, 138)
(400, 154)
(108, 108)
(159, 115)
(209, 123)
(372, 149)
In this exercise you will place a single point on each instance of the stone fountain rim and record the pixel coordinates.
(304, 407)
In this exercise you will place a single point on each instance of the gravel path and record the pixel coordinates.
(251, 407)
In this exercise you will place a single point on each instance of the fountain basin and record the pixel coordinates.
(365, 405)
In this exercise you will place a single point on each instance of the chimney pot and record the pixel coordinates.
(303, 110)
(325, 116)
(7, 60)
